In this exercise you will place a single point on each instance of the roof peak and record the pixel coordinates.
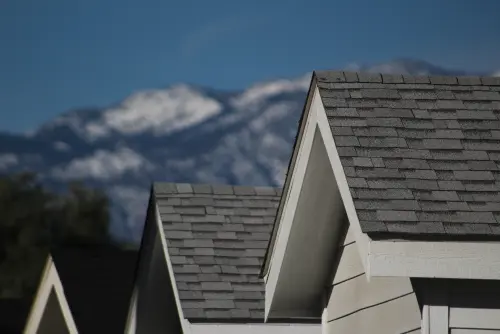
(370, 77)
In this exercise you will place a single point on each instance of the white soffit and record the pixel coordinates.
(50, 280)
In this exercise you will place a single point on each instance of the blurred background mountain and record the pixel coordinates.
(181, 133)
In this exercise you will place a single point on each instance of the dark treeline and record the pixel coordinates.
(34, 220)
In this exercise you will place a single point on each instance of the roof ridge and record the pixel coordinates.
(376, 77)
(160, 188)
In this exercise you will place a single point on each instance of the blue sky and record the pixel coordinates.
(57, 55)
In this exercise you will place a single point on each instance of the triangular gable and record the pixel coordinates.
(309, 224)
(50, 312)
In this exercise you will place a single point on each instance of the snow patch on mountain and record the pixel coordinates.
(104, 165)
(8, 160)
(272, 114)
(157, 111)
(257, 94)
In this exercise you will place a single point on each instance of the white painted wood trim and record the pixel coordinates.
(131, 324)
(438, 319)
(474, 318)
(254, 329)
(40, 300)
(425, 325)
(340, 177)
(290, 205)
(466, 260)
(50, 280)
(159, 226)
(316, 120)
(324, 321)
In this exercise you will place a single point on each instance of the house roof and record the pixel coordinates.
(421, 154)
(97, 284)
(217, 237)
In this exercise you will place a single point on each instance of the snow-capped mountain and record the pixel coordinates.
(181, 133)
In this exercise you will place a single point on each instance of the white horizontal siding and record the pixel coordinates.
(475, 318)
(383, 305)
(397, 316)
(349, 265)
(473, 331)
(357, 294)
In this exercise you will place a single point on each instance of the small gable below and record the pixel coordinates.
(53, 321)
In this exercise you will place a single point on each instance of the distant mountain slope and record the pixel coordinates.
(182, 133)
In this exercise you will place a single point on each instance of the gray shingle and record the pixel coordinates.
(217, 237)
(430, 143)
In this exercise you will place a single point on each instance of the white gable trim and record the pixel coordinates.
(291, 200)
(316, 121)
(50, 280)
(131, 324)
(159, 226)
(254, 329)
(445, 259)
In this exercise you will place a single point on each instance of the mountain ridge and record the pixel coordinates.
(182, 133)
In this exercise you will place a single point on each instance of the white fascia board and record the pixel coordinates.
(40, 300)
(436, 259)
(255, 329)
(316, 119)
(50, 280)
(61, 297)
(131, 324)
(163, 240)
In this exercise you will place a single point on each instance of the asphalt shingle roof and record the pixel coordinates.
(421, 154)
(217, 237)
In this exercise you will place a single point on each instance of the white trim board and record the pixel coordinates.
(445, 259)
(50, 282)
(254, 329)
(291, 200)
(131, 322)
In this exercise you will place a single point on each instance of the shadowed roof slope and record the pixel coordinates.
(98, 285)
(217, 237)
(421, 154)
